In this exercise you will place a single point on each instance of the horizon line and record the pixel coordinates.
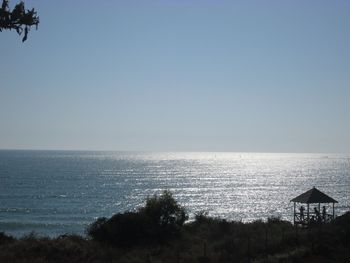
(171, 151)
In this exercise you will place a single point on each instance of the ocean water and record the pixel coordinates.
(58, 192)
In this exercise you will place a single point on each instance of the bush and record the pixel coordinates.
(5, 239)
(97, 230)
(165, 216)
(201, 217)
(160, 219)
(123, 229)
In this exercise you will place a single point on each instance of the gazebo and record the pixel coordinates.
(315, 198)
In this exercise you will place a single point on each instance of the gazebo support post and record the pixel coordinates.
(308, 213)
(294, 213)
(333, 211)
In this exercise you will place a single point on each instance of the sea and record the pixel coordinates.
(52, 193)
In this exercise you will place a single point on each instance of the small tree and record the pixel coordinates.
(18, 19)
(164, 213)
(159, 220)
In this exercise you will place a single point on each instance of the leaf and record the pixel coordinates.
(25, 34)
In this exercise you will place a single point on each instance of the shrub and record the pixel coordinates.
(164, 215)
(160, 219)
(274, 219)
(201, 217)
(97, 230)
(4, 239)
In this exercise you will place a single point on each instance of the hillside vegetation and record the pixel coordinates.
(157, 232)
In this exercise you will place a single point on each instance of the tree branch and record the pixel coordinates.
(18, 19)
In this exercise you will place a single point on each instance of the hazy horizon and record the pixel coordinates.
(166, 75)
(169, 151)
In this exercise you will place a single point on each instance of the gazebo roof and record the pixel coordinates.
(313, 196)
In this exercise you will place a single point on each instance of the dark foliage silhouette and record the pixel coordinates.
(164, 214)
(5, 239)
(159, 220)
(205, 239)
(124, 229)
(97, 230)
(18, 19)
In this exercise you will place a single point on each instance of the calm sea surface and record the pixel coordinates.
(57, 192)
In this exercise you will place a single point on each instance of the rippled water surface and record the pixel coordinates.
(57, 192)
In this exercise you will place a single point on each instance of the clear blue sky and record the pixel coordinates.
(257, 76)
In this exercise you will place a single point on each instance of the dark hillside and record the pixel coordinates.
(157, 233)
